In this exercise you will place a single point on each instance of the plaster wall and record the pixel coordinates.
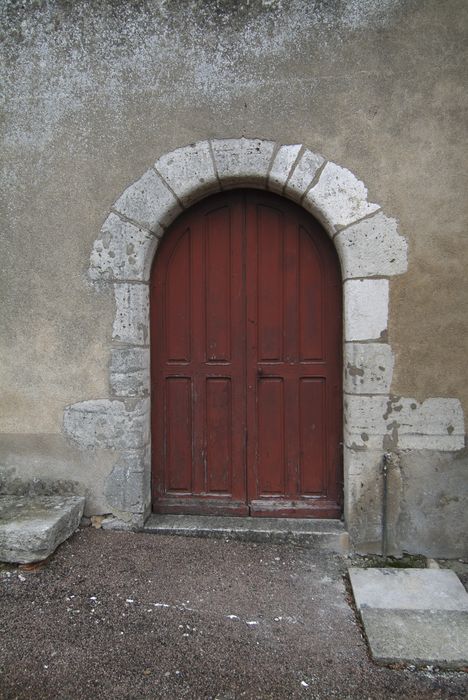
(96, 93)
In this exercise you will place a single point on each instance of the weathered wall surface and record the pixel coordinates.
(96, 92)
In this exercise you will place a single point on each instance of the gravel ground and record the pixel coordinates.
(121, 615)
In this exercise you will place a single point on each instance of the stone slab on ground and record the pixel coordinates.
(408, 589)
(420, 637)
(329, 535)
(415, 616)
(31, 528)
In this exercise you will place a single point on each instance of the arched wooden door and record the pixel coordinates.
(246, 361)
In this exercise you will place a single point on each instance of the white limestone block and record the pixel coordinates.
(123, 251)
(338, 198)
(368, 368)
(303, 174)
(189, 171)
(434, 424)
(372, 247)
(242, 161)
(131, 323)
(149, 202)
(282, 164)
(366, 309)
(365, 425)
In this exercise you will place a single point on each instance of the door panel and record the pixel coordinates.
(246, 361)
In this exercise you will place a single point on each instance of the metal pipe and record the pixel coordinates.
(387, 457)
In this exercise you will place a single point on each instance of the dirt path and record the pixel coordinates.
(120, 615)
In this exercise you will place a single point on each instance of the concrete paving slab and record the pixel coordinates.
(423, 638)
(408, 589)
(329, 535)
(417, 616)
(31, 528)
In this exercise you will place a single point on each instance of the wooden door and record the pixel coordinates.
(246, 361)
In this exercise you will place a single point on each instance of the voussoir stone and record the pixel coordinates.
(31, 528)
(303, 174)
(282, 166)
(242, 161)
(149, 202)
(339, 198)
(372, 247)
(123, 251)
(189, 171)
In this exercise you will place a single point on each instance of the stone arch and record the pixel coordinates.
(371, 251)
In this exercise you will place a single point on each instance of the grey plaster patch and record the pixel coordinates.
(422, 638)
(131, 319)
(189, 171)
(372, 247)
(242, 162)
(408, 589)
(281, 167)
(32, 528)
(129, 371)
(123, 251)
(102, 423)
(368, 368)
(338, 198)
(303, 174)
(148, 202)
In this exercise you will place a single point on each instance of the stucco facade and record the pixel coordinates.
(354, 110)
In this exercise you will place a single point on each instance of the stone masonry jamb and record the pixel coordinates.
(371, 251)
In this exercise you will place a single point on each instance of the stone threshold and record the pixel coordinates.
(320, 533)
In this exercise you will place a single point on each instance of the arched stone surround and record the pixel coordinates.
(371, 251)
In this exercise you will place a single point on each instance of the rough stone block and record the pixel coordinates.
(282, 165)
(31, 528)
(366, 309)
(303, 174)
(132, 310)
(421, 638)
(338, 198)
(189, 171)
(129, 371)
(242, 161)
(368, 368)
(128, 485)
(108, 424)
(148, 202)
(372, 247)
(123, 251)
(363, 498)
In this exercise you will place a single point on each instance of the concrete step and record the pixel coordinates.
(32, 527)
(324, 534)
(413, 616)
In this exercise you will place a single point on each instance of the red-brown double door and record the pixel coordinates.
(246, 361)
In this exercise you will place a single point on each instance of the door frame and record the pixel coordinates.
(370, 250)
